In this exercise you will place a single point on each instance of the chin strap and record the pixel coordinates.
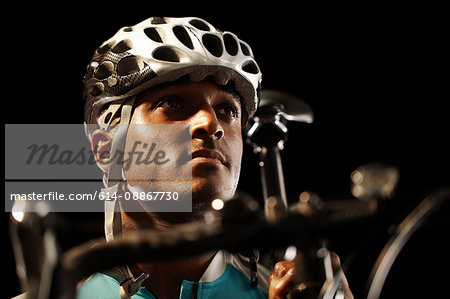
(113, 225)
(128, 284)
(249, 258)
(114, 175)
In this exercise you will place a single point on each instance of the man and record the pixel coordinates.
(169, 71)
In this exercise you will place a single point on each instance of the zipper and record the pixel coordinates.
(195, 290)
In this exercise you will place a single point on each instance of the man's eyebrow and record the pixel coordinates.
(229, 88)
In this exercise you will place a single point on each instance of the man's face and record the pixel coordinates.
(214, 117)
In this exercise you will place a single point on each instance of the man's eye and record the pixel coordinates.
(170, 103)
(228, 110)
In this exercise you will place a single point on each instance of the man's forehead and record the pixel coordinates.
(185, 82)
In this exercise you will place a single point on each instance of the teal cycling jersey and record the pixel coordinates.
(225, 277)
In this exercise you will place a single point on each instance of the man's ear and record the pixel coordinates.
(101, 142)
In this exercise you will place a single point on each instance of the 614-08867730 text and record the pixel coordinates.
(153, 195)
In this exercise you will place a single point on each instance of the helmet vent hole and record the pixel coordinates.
(108, 117)
(129, 65)
(153, 34)
(230, 44)
(104, 70)
(122, 46)
(104, 48)
(97, 89)
(182, 35)
(199, 24)
(213, 44)
(158, 20)
(245, 49)
(250, 67)
(166, 54)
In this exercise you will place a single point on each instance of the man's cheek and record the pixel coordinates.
(157, 153)
(236, 167)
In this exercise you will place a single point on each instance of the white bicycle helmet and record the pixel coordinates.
(162, 49)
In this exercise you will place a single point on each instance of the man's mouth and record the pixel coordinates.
(208, 156)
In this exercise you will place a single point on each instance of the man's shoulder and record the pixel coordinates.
(99, 286)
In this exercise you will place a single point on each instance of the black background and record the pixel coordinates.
(374, 75)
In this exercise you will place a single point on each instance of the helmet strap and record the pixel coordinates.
(114, 175)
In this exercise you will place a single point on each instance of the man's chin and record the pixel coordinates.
(205, 190)
(199, 210)
(201, 191)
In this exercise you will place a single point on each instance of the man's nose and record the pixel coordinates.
(205, 123)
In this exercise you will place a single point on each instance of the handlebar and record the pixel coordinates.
(190, 239)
